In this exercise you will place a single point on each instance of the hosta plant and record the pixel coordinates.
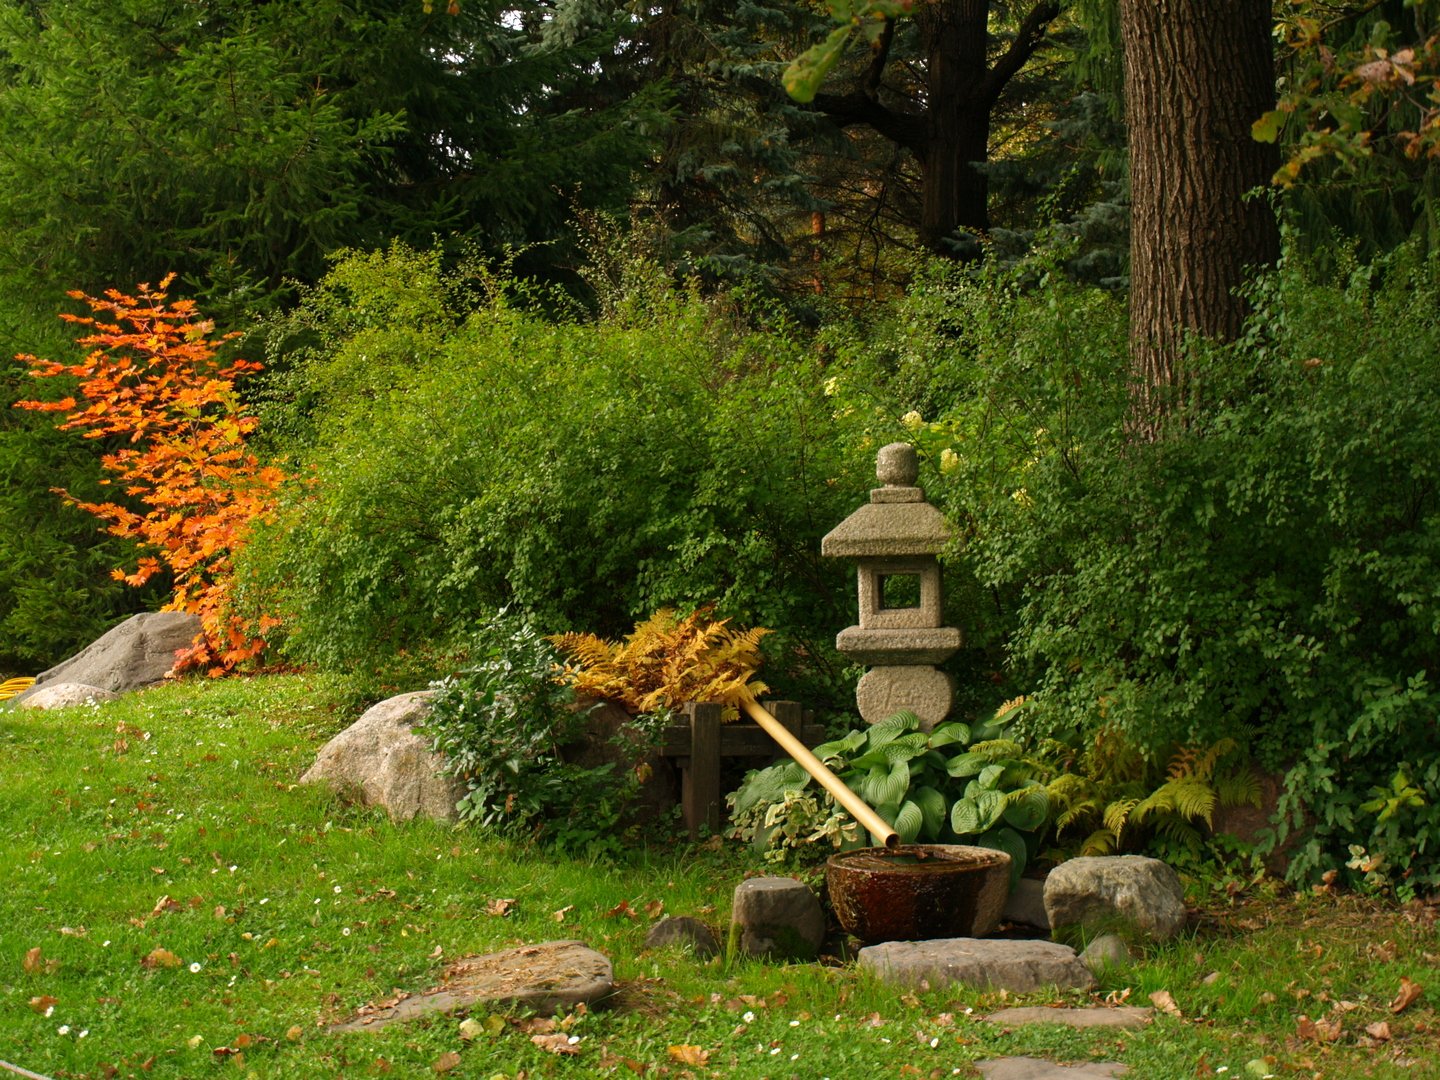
(956, 784)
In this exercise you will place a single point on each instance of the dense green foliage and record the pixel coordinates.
(1266, 572)
(393, 192)
(503, 724)
(471, 453)
(239, 147)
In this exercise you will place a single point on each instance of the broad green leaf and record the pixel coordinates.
(1267, 128)
(887, 786)
(932, 806)
(990, 776)
(869, 760)
(950, 733)
(909, 821)
(1027, 808)
(1013, 844)
(991, 805)
(840, 748)
(967, 764)
(965, 817)
(892, 728)
(803, 77)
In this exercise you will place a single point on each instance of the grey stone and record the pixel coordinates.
(875, 610)
(391, 764)
(684, 931)
(1027, 904)
(897, 465)
(139, 652)
(1097, 1016)
(1025, 1068)
(1107, 951)
(926, 691)
(547, 977)
(888, 529)
(983, 963)
(932, 645)
(63, 695)
(1116, 892)
(777, 917)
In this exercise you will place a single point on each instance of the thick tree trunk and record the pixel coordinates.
(1197, 74)
(956, 191)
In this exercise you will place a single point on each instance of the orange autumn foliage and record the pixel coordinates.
(152, 383)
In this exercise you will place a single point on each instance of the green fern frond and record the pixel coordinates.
(1240, 788)
(1077, 812)
(996, 749)
(1117, 814)
(1100, 842)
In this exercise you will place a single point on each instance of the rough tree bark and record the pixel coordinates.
(950, 136)
(1197, 74)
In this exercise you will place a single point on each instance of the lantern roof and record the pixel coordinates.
(897, 521)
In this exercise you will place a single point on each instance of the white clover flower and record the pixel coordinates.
(195, 968)
(749, 1017)
(63, 1029)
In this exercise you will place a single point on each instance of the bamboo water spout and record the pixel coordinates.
(802, 756)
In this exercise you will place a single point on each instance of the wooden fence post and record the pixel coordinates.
(700, 779)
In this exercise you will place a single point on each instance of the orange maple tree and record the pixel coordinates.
(152, 382)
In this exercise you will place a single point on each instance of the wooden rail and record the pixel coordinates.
(701, 744)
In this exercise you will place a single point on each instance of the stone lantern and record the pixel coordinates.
(895, 540)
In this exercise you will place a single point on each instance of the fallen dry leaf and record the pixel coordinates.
(1379, 1030)
(654, 908)
(160, 958)
(446, 1061)
(33, 964)
(165, 905)
(622, 908)
(500, 906)
(294, 1033)
(471, 1029)
(559, 916)
(43, 1003)
(1409, 992)
(1162, 1000)
(1317, 1030)
(537, 1025)
(686, 1054)
(555, 1044)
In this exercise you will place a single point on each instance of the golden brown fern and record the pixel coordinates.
(667, 661)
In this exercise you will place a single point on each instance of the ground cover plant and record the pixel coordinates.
(172, 904)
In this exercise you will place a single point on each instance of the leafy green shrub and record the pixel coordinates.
(503, 724)
(1269, 573)
(470, 454)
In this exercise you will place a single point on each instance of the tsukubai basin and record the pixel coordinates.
(916, 892)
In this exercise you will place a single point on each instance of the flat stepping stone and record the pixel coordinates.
(1125, 1016)
(983, 963)
(1025, 1068)
(547, 977)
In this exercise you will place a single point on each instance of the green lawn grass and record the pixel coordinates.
(196, 913)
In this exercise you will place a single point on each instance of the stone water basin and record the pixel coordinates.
(916, 892)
